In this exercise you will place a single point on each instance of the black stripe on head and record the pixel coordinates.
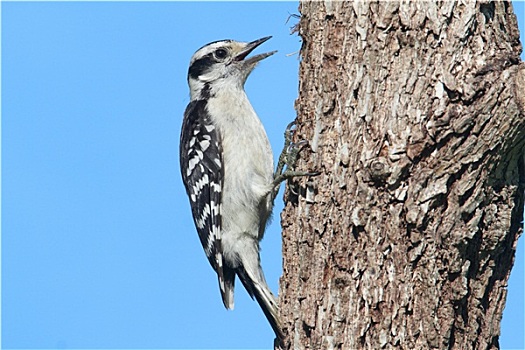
(201, 66)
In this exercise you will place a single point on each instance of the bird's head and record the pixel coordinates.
(223, 62)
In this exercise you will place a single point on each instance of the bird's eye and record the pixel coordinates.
(221, 54)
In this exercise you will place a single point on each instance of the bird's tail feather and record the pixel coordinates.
(258, 289)
(229, 286)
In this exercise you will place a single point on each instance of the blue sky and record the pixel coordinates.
(98, 245)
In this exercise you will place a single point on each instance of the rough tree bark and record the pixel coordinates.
(415, 115)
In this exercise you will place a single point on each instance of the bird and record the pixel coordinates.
(226, 164)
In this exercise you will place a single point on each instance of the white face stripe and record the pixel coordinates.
(234, 46)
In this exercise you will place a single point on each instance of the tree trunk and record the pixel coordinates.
(415, 116)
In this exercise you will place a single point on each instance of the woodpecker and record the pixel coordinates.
(227, 168)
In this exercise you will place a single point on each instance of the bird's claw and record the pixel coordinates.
(292, 153)
(297, 145)
(288, 134)
(290, 126)
(288, 159)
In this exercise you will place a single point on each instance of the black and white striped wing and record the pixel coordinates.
(202, 174)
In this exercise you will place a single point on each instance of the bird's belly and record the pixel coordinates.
(248, 165)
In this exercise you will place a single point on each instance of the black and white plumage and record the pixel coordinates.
(227, 168)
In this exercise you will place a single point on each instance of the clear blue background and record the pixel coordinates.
(98, 245)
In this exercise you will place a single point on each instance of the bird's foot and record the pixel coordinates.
(288, 159)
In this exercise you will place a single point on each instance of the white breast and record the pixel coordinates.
(247, 159)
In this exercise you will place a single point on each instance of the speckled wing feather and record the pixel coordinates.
(202, 174)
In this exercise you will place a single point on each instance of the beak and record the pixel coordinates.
(249, 48)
